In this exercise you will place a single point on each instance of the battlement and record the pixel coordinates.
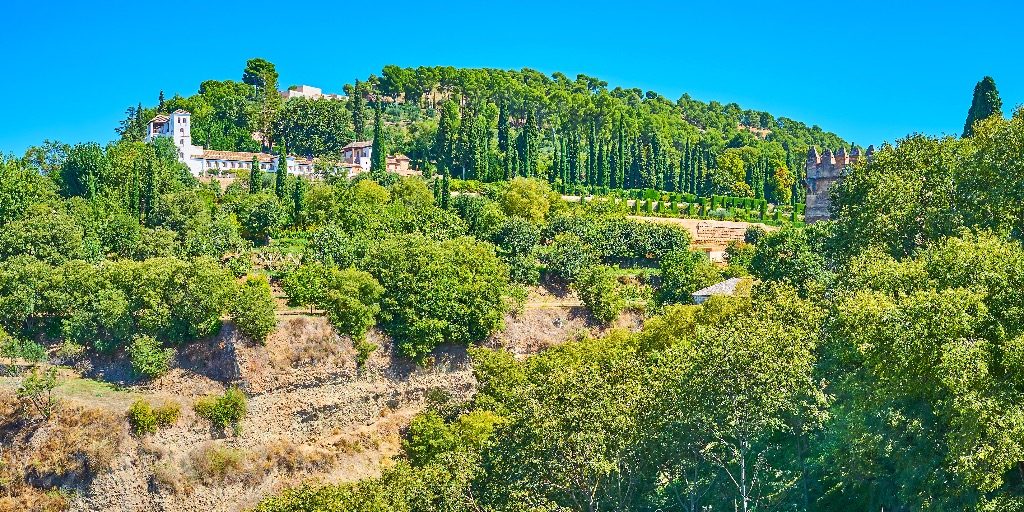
(822, 171)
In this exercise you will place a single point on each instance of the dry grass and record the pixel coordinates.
(215, 463)
(289, 457)
(74, 445)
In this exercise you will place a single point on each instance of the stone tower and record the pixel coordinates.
(822, 171)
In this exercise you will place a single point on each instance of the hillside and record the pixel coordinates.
(491, 124)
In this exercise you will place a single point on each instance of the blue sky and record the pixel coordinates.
(869, 71)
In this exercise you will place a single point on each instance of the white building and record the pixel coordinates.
(202, 162)
(308, 92)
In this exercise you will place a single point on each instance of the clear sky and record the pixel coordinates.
(869, 71)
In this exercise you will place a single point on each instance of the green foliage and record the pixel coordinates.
(526, 198)
(223, 410)
(15, 348)
(36, 390)
(350, 297)
(253, 309)
(568, 255)
(984, 104)
(598, 288)
(452, 291)
(684, 272)
(149, 359)
(787, 256)
(363, 351)
(145, 419)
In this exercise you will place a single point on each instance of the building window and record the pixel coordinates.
(182, 141)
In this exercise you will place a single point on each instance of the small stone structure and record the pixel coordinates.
(822, 171)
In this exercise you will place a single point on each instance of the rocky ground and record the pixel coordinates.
(312, 414)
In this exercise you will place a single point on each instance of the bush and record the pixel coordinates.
(568, 255)
(363, 350)
(352, 301)
(684, 272)
(223, 410)
(598, 289)
(148, 359)
(24, 349)
(451, 291)
(144, 419)
(253, 309)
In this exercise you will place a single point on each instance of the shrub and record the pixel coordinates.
(145, 419)
(213, 462)
(24, 349)
(363, 350)
(352, 301)
(148, 359)
(598, 289)
(253, 309)
(223, 410)
(451, 291)
(684, 272)
(568, 255)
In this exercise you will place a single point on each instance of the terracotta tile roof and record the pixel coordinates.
(240, 156)
(358, 144)
(180, 111)
(160, 119)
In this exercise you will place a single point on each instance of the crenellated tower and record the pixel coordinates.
(822, 171)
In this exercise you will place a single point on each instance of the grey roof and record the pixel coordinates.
(727, 287)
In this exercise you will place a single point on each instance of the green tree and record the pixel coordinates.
(984, 104)
(252, 310)
(684, 272)
(281, 176)
(598, 288)
(256, 174)
(379, 151)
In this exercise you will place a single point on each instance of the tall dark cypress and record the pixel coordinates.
(281, 175)
(379, 150)
(984, 104)
(602, 165)
(256, 174)
(527, 146)
(592, 154)
(358, 113)
(299, 202)
(446, 191)
(503, 126)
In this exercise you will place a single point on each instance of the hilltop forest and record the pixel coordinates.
(873, 361)
(492, 125)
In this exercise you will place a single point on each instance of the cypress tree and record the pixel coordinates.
(160, 107)
(530, 137)
(299, 201)
(503, 126)
(446, 192)
(602, 165)
(256, 175)
(620, 158)
(379, 151)
(358, 114)
(282, 174)
(985, 104)
(592, 154)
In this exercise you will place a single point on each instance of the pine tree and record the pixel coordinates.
(985, 104)
(379, 150)
(256, 174)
